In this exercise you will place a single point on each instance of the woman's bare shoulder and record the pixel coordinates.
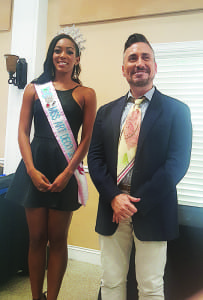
(86, 91)
(30, 91)
(30, 88)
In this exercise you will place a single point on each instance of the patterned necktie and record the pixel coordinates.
(128, 140)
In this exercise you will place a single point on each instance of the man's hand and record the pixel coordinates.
(123, 207)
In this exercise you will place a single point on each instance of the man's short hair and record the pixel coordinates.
(136, 38)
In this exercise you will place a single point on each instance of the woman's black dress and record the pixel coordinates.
(48, 159)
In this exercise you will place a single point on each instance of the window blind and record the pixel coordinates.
(180, 75)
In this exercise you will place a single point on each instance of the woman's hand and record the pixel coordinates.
(59, 183)
(39, 180)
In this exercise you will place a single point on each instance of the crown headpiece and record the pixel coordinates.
(75, 34)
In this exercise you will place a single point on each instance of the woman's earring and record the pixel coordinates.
(75, 72)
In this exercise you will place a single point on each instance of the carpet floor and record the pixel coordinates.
(81, 282)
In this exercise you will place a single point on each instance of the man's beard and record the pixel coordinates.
(141, 82)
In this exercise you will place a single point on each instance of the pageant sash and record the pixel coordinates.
(62, 132)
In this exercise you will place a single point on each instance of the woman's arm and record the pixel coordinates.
(86, 98)
(26, 115)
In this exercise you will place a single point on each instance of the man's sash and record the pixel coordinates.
(62, 132)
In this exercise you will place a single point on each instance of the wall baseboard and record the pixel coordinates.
(84, 254)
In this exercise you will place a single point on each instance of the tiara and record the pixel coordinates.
(75, 34)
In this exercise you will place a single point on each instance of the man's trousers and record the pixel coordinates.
(150, 261)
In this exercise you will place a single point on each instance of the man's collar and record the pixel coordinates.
(148, 95)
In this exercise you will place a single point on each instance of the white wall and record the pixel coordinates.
(29, 30)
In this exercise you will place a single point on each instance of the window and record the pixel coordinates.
(180, 75)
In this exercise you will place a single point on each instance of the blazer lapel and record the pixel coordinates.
(114, 129)
(150, 117)
(116, 119)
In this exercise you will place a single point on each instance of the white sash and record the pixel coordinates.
(62, 132)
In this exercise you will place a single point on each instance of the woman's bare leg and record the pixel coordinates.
(58, 225)
(37, 219)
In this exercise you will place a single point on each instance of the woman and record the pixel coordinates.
(44, 181)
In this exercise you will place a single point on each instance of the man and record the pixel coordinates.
(138, 198)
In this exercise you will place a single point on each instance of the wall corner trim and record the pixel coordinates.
(91, 256)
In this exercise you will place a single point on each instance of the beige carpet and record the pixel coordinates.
(81, 282)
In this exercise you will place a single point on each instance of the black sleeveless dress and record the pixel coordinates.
(48, 159)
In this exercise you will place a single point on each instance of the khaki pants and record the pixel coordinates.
(150, 260)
